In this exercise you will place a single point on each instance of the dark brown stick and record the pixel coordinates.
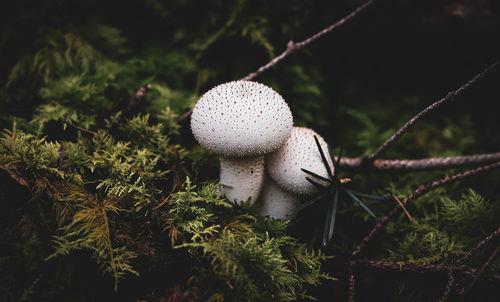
(482, 243)
(135, 99)
(79, 128)
(292, 47)
(352, 285)
(394, 266)
(449, 97)
(419, 192)
(421, 269)
(413, 165)
(448, 287)
(481, 271)
(14, 174)
(401, 205)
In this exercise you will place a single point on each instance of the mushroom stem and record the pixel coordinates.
(276, 202)
(241, 178)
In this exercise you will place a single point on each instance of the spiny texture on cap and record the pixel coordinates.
(276, 202)
(241, 119)
(245, 176)
(299, 151)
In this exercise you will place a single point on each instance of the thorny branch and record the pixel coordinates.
(352, 285)
(448, 287)
(481, 271)
(14, 174)
(449, 97)
(482, 243)
(294, 46)
(413, 165)
(394, 266)
(419, 192)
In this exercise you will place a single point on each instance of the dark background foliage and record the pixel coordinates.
(355, 87)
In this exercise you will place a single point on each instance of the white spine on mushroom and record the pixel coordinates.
(232, 171)
(241, 119)
(299, 151)
(276, 202)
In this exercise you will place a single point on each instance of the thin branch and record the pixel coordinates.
(164, 201)
(449, 97)
(184, 116)
(481, 271)
(14, 174)
(352, 285)
(79, 128)
(402, 206)
(421, 269)
(413, 165)
(292, 47)
(136, 99)
(394, 266)
(419, 192)
(448, 287)
(482, 243)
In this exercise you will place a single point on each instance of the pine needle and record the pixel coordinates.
(402, 206)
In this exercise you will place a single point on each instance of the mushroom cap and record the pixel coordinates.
(299, 151)
(241, 119)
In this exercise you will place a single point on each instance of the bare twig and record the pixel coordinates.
(292, 47)
(394, 266)
(419, 192)
(421, 269)
(161, 204)
(482, 243)
(185, 115)
(352, 285)
(79, 128)
(413, 165)
(14, 174)
(448, 287)
(135, 99)
(402, 206)
(449, 97)
(481, 271)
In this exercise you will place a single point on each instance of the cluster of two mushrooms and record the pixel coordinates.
(250, 126)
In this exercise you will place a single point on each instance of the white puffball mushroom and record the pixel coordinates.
(276, 202)
(241, 120)
(299, 151)
(288, 182)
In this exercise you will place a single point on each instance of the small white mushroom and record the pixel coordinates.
(241, 121)
(284, 166)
